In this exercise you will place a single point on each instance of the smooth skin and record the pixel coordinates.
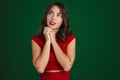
(41, 56)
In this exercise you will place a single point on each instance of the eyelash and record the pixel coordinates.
(57, 14)
(49, 12)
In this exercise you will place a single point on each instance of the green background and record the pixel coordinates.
(94, 22)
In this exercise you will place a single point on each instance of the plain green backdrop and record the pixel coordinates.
(94, 22)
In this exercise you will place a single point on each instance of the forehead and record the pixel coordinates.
(55, 9)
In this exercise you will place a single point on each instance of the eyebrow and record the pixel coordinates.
(57, 13)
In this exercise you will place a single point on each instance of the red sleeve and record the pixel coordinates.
(70, 38)
(38, 40)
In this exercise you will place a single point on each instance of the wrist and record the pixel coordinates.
(53, 41)
(47, 42)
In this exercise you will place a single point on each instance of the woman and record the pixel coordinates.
(53, 48)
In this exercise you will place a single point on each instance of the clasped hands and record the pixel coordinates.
(49, 34)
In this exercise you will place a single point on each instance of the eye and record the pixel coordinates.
(59, 15)
(49, 12)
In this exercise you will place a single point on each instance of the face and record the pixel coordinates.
(54, 18)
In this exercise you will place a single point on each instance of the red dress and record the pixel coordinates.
(53, 63)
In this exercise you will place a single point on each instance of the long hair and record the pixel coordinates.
(64, 29)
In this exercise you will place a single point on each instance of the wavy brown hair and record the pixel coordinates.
(64, 29)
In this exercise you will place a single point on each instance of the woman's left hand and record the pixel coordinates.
(52, 36)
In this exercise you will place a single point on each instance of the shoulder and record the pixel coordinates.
(37, 40)
(70, 38)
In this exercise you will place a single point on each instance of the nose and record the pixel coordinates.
(53, 17)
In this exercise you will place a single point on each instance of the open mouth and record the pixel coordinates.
(52, 23)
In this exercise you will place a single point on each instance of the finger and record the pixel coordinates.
(49, 28)
(46, 29)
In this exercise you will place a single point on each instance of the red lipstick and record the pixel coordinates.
(52, 23)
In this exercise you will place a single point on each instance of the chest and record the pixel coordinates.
(52, 57)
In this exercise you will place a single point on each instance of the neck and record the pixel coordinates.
(56, 30)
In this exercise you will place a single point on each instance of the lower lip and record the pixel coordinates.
(51, 24)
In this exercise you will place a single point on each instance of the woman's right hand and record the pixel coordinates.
(46, 33)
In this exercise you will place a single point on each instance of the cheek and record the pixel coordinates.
(48, 17)
(60, 21)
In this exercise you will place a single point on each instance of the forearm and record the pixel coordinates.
(43, 58)
(62, 58)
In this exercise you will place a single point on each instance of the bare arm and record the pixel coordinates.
(65, 60)
(41, 57)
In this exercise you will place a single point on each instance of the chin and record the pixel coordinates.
(52, 27)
